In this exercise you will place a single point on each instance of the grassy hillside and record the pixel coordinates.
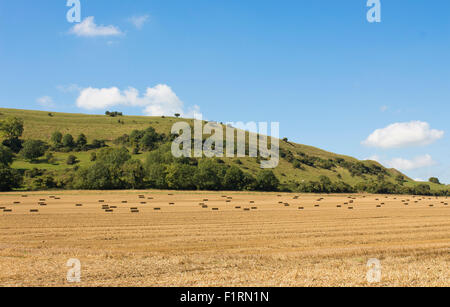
(41, 125)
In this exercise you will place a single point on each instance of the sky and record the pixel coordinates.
(331, 78)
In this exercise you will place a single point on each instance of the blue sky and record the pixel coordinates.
(318, 67)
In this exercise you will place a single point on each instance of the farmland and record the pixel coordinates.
(162, 238)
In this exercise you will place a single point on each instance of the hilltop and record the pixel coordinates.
(299, 164)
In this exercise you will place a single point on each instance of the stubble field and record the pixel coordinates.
(222, 239)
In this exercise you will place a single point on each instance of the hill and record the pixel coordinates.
(299, 164)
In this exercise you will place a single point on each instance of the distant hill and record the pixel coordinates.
(298, 164)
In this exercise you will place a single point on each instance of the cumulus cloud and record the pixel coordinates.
(88, 28)
(45, 101)
(139, 21)
(156, 101)
(398, 135)
(407, 165)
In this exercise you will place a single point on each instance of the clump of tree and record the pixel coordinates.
(33, 150)
(142, 140)
(113, 114)
(67, 143)
(434, 180)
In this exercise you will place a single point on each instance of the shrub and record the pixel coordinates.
(71, 160)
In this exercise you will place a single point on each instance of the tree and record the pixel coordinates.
(133, 174)
(81, 140)
(68, 141)
(33, 149)
(267, 181)
(114, 158)
(177, 115)
(234, 179)
(180, 177)
(209, 175)
(6, 156)
(56, 138)
(11, 128)
(434, 180)
(9, 178)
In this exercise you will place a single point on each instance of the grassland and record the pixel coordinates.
(39, 125)
(185, 244)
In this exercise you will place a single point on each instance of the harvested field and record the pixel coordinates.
(158, 244)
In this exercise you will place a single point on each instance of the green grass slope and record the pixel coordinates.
(40, 125)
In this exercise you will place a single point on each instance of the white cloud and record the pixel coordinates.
(156, 101)
(407, 165)
(45, 101)
(375, 158)
(415, 133)
(139, 21)
(71, 88)
(384, 108)
(88, 28)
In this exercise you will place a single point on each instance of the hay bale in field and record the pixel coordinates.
(301, 208)
(228, 201)
(286, 205)
(339, 206)
(42, 199)
(57, 198)
(24, 196)
(378, 206)
(124, 202)
(16, 203)
(170, 194)
(134, 211)
(34, 210)
(141, 196)
(150, 198)
(252, 201)
(171, 204)
(317, 206)
(79, 205)
(113, 207)
(205, 207)
(205, 199)
(350, 208)
(238, 207)
(254, 208)
(143, 202)
(431, 205)
(246, 209)
(42, 204)
(101, 201)
(133, 208)
(280, 202)
(215, 209)
(7, 210)
(109, 210)
(351, 202)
